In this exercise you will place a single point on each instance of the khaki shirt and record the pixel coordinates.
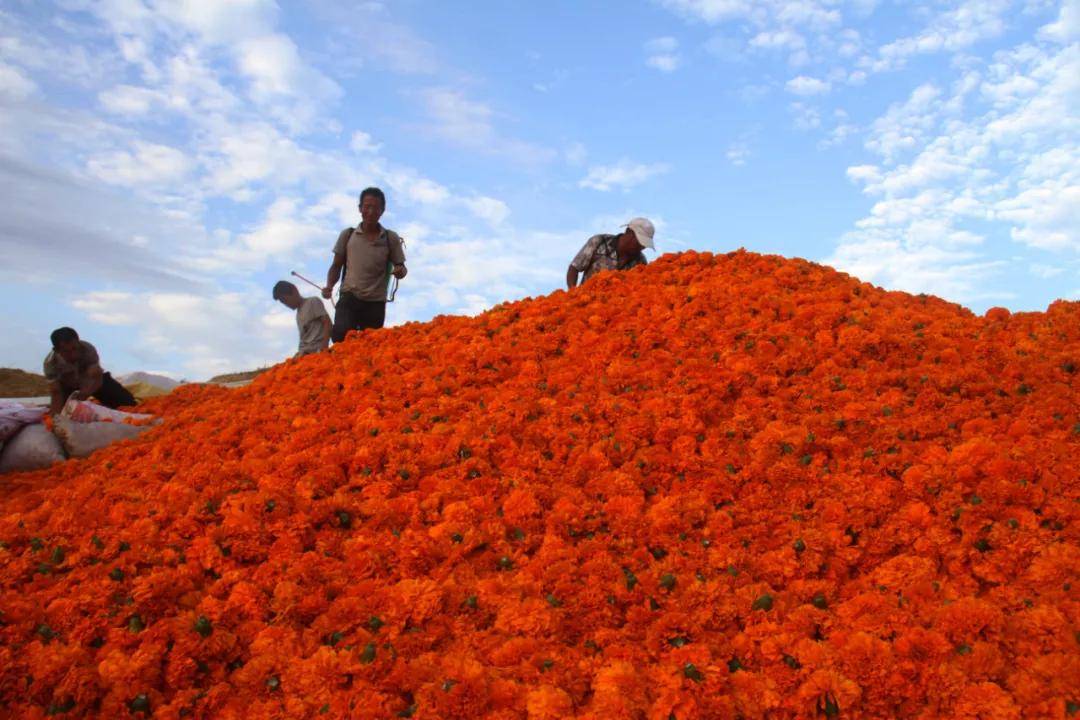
(69, 376)
(599, 253)
(309, 321)
(366, 262)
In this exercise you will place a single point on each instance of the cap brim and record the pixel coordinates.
(645, 242)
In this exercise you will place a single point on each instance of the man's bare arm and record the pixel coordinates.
(56, 398)
(92, 381)
(333, 275)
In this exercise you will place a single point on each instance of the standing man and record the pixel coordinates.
(73, 367)
(612, 252)
(364, 259)
(311, 318)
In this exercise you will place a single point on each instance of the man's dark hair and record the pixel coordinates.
(377, 193)
(63, 335)
(283, 288)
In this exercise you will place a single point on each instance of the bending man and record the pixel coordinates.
(612, 252)
(73, 367)
(311, 318)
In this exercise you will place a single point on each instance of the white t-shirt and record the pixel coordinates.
(309, 321)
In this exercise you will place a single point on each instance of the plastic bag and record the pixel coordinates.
(32, 448)
(83, 411)
(13, 415)
(82, 438)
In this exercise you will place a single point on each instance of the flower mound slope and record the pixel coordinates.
(718, 486)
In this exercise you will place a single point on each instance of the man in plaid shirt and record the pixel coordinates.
(612, 252)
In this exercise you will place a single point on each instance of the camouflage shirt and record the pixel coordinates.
(601, 253)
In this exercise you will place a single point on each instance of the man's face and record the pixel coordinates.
(69, 350)
(371, 210)
(628, 243)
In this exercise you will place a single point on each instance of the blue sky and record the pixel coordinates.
(163, 162)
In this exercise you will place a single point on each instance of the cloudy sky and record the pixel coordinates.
(163, 162)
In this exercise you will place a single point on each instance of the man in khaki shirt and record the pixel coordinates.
(311, 318)
(364, 259)
(73, 368)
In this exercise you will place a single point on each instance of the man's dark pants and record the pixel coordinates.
(111, 394)
(355, 314)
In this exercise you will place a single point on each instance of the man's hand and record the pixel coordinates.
(334, 274)
(400, 271)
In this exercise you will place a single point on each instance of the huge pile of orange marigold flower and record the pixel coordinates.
(715, 487)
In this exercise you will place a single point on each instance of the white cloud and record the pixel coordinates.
(803, 85)
(281, 82)
(663, 63)
(666, 44)
(737, 153)
(850, 43)
(621, 175)
(710, 11)
(25, 50)
(108, 308)
(865, 173)
(1046, 216)
(997, 155)
(239, 156)
(840, 132)
(958, 28)
(386, 44)
(905, 125)
(273, 64)
(420, 190)
(1067, 26)
(494, 212)
(898, 259)
(147, 163)
(470, 124)
(217, 22)
(806, 116)
(662, 54)
(576, 154)
(362, 143)
(1045, 271)
(129, 100)
(290, 232)
(198, 335)
(783, 39)
(14, 84)
(805, 29)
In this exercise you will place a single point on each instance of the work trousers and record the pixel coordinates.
(111, 394)
(355, 314)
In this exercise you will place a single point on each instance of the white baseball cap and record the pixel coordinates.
(643, 231)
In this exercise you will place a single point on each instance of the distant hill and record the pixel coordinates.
(143, 391)
(19, 383)
(238, 376)
(144, 378)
